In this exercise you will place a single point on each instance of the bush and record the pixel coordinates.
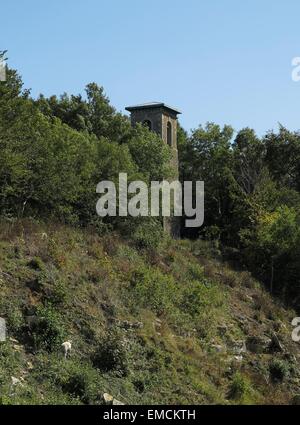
(36, 263)
(111, 353)
(279, 370)
(15, 321)
(152, 289)
(75, 378)
(148, 235)
(80, 382)
(239, 387)
(195, 271)
(54, 288)
(48, 330)
(198, 297)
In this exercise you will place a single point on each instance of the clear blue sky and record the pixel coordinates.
(227, 61)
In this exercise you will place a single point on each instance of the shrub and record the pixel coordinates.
(205, 248)
(48, 330)
(200, 296)
(15, 320)
(239, 387)
(9, 360)
(75, 378)
(195, 271)
(279, 370)
(152, 289)
(80, 382)
(148, 234)
(54, 288)
(111, 354)
(36, 263)
(58, 293)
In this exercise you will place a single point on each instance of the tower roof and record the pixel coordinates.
(152, 105)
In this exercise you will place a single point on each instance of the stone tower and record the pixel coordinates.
(162, 119)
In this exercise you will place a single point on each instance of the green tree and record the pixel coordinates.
(283, 157)
(273, 244)
(249, 159)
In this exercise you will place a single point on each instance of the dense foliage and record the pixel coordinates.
(252, 200)
(55, 150)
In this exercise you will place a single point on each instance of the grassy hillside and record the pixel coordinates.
(174, 325)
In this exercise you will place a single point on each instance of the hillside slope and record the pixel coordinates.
(172, 326)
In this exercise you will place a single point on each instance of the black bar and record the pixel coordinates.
(135, 414)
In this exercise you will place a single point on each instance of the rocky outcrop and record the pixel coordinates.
(258, 344)
(109, 400)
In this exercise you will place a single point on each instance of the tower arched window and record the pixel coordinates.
(148, 124)
(169, 133)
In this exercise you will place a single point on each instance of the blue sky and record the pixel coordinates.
(227, 61)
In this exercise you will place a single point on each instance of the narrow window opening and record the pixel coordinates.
(169, 134)
(148, 124)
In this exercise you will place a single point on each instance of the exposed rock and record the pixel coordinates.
(258, 345)
(249, 298)
(17, 348)
(128, 325)
(276, 346)
(108, 399)
(238, 359)
(15, 381)
(29, 365)
(117, 403)
(238, 347)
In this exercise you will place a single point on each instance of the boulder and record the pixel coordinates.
(108, 399)
(238, 347)
(258, 344)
